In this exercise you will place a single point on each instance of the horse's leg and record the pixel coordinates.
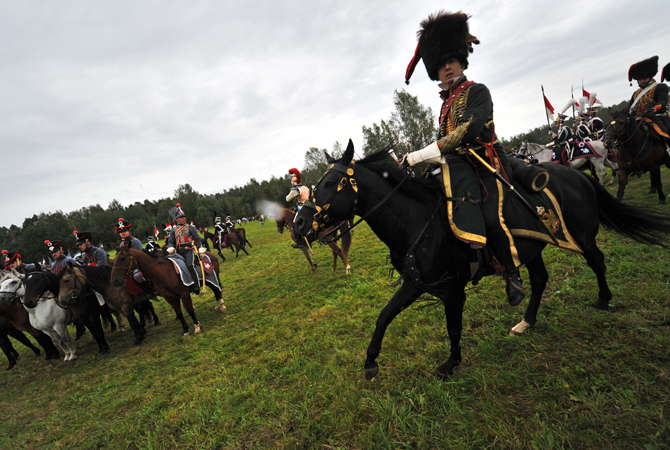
(137, 328)
(93, 323)
(537, 272)
(403, 297)
(312, 265)
(79, 326)
(46, 343)
(188, 305)
(175, 302)
(19, 336)
(655, 175)
(596, 261)
(60, 327)
(119, 318)
(150, 307)
(8, 350)
(623, 181)
(453, 309)
(55, 336)
(601, 170)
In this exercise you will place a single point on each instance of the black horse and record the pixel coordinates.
(409, 216)
(7, 329)
(638, 150)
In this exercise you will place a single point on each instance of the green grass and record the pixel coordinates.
(283, 366)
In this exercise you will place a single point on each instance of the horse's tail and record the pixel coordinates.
(636, 222)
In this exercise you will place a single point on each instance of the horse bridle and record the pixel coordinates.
(74, 296)
(617, 137)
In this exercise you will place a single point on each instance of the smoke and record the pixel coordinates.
(268, 208)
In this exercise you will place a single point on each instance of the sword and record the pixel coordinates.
(202, 270)
(518, 195)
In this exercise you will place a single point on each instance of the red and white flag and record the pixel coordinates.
(155, 232)
(548, 108)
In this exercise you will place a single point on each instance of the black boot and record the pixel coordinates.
(148, 289)
(514, 289)
(296, 245)
(195, 287)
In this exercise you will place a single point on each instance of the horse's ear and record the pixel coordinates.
(348, 154)
(69, 264)
(329, 159)
(38, 267)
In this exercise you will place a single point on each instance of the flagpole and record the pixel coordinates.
(572, 93)
(545, 109)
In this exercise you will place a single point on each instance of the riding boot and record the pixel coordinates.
(296, 245)
(515, 291)
(148, 289)
(195, 287)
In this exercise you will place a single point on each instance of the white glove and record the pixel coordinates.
(170, 250)
(202, 250)
(430, 154)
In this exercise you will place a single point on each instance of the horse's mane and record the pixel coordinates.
(422, 189)
(97, 274)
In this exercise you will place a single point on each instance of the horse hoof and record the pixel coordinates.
(371, 372)
(446, 369)
(185, 334)
(603, 307)
(197, 329)
(519, 328)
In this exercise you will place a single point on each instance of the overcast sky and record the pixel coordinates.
(127, 100)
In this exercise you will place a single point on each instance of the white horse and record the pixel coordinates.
(44, 312)
(543, 154)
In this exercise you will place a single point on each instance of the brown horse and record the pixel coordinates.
(638, 150)
(162, 273)
(236, 242)
(74, 279)
(7, 329)
(216, 244)
(284, 218)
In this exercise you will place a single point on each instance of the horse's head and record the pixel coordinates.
(124, 264)
(37, 285)
(616, 128)
(283, 218)
(523, 149)
(71, 283)
(335, 196)
(11, 287)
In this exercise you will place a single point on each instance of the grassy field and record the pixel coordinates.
(283, 366)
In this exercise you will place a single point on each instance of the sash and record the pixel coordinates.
(449, 100)
(639, 97)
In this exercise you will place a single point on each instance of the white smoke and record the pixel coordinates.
(267, 208)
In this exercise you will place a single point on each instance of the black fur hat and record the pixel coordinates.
(665, 73)
(643, 69)
(442, 36)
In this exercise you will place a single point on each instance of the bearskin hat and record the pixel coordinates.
(52, 245)
(122, 225)
(442, 36)
(296, 173)
(643, 69)
(177, 212)
(665, 73)
(82, 236)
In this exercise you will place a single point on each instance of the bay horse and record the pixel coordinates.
(410, 217)
(166, 280)
(284, 219)
(17, 315)
(216, 244)
(6, 330)
(74, 279)
(638, 149)
(543, 155)
(236, 242)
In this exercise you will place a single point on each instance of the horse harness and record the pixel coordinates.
(42, 297)
(644, 150)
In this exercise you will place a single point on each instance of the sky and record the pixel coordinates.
(127, 100)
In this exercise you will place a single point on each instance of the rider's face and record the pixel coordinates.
(124, 234)
(181, 220)
(13, 265)
(643, 82)
(449, 71)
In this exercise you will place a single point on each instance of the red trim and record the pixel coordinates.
(412, 64)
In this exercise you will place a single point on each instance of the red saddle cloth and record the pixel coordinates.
(133, 286)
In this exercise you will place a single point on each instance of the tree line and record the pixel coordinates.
(411, 127)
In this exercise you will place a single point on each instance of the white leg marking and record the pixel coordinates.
(520, 328)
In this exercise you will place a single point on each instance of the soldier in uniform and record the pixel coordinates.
(123, 228)
(60, 260)
(298, 191)
(230, 225)
(220, 230)
(91, 256)
(184, 239)
(650, 97)
(13, 261)
(466, 122)
(167, 230)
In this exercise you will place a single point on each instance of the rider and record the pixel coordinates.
(123, 229)
(183, 237)
(444, 45)
(13, 261)
(230, 225)
(168, 229)
(299, 192)
(60, 260)
(91, 256)
(651, 97)
(220, 231)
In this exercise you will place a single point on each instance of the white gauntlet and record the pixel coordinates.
(170, 250)
(202, 250)
(430, 154)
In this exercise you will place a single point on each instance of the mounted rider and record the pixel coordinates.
(13, 261)
(220, 231)
(167, 230)
(230, 225)
(466, 122)
(185, 240)
(91, 255)
(300, 193)
(651, 98)
(60, 260)
(123, 229)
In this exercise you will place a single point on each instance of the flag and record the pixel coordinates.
(586, 94)
(155, 232)
(548, 108)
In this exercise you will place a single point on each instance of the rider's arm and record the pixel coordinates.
(293, 193)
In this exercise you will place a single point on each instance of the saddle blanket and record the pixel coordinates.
(210, 277)
(582, 149)
(467, 220)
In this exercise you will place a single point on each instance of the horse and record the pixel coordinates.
(409, 216)
(6, 330)
(240, 231)
(638, 150)
(17, 315)
(166, 280)
(45, 314)
(543, 154)
(75, 278)
(236, 240)
(284, 218)
(212, 237)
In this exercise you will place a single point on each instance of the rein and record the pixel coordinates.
(644, 150)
